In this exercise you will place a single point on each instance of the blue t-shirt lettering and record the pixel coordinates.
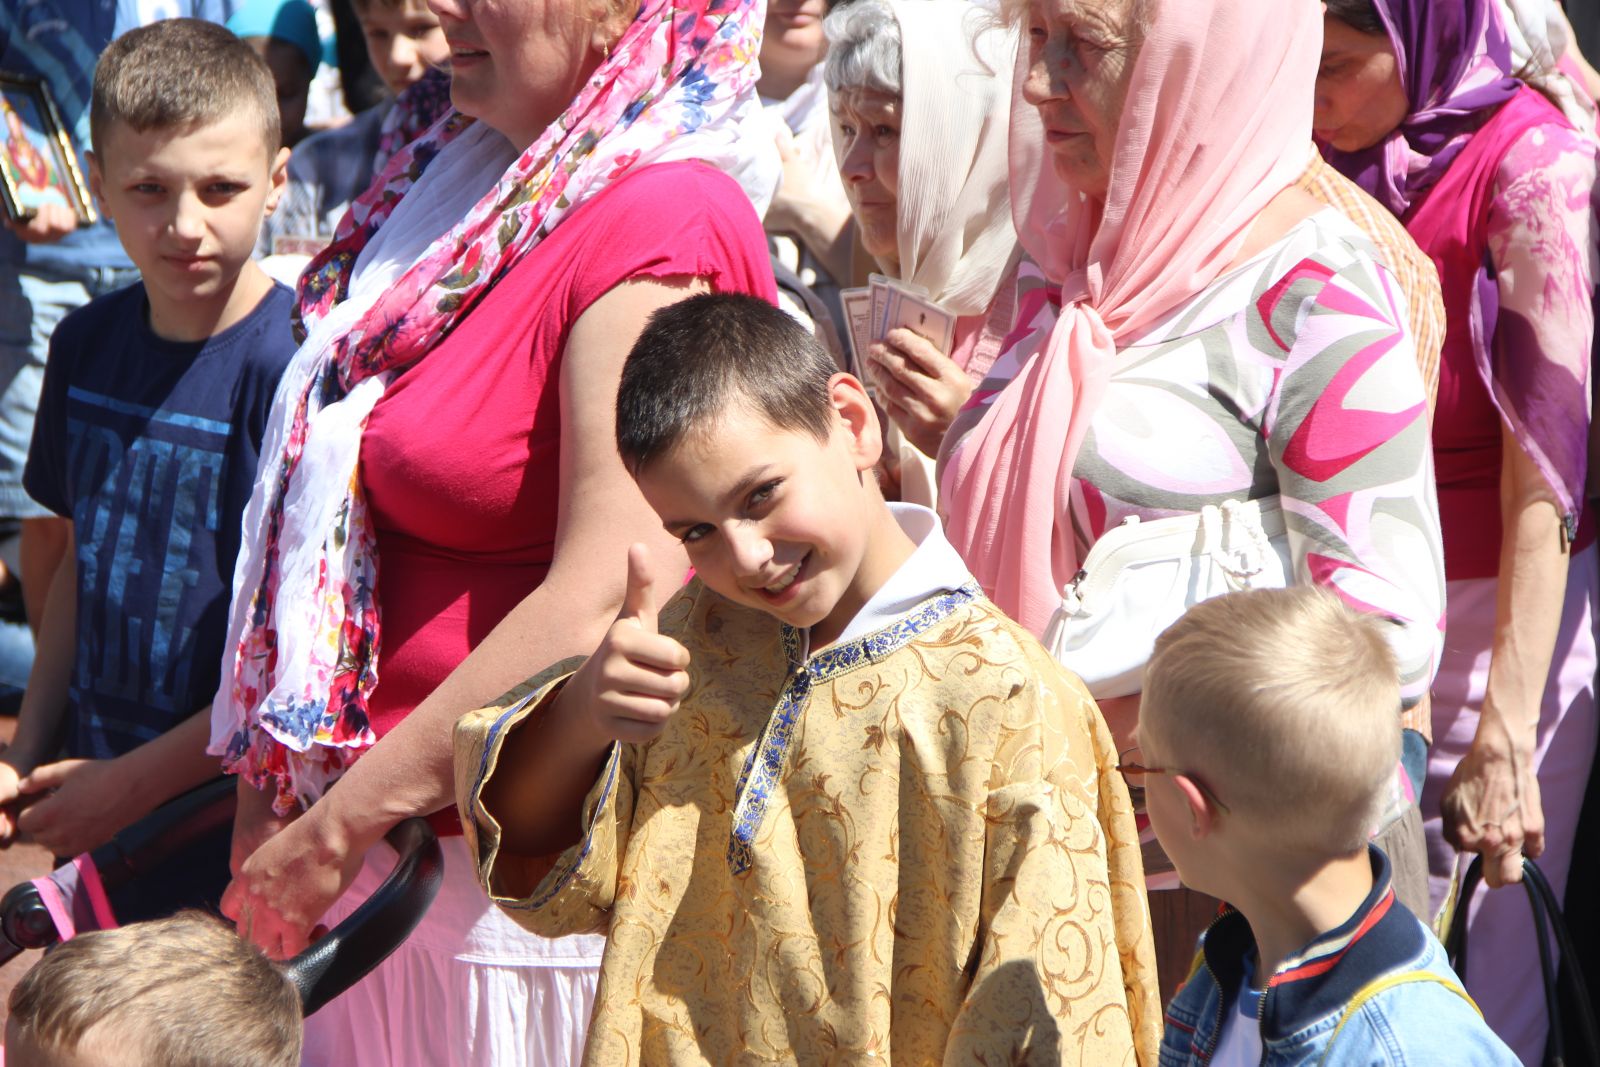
(150, 447)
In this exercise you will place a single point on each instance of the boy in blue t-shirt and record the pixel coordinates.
(49, 266)
(150, 422)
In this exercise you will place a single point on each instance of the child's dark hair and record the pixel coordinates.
(179, 74)
(188, 991)
(697, 356)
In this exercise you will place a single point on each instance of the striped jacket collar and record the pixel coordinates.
(1320, 979)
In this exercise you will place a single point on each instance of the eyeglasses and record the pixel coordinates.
(1133, 771)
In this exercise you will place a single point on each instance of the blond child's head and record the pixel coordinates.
(1274, 718)
(180, 992)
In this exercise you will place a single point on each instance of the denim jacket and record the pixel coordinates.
(1376, 991)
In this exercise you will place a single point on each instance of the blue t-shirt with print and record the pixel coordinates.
(150, 447)
(60, 40)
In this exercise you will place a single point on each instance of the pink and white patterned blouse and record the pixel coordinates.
(1294, 374)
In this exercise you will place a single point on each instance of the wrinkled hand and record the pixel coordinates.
(283, 889)
(919, 386)
(635, 680)
(88, 801)
(50, 223)
(1492, 807)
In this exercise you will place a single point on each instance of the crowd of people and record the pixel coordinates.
(838, 513)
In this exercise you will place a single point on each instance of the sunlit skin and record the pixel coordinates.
(1360, 99)
(1080, 57)
(791, 44)
(188, 206)
(514, 64)
(779, 520)
(1170, 801)
(403, 44)
(868, 125)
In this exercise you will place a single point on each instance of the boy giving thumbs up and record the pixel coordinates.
(830, 803)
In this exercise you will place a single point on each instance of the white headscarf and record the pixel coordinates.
(1538, 33)
(956, 236)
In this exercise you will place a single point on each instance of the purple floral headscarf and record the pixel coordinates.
(1455, 63)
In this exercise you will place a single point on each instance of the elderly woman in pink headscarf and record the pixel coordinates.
(1193, 329)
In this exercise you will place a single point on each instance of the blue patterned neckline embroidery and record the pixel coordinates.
(763, 771)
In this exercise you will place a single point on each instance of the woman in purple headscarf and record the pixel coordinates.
(1417, 102)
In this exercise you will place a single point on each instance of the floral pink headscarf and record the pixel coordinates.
(1217, 123)
(304, 630)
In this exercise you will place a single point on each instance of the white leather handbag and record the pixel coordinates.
(1140, 577)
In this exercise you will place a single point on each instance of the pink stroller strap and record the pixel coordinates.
(60, 908)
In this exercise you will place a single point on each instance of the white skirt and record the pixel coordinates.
(468, 988)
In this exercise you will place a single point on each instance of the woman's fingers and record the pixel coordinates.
(1503, 868)
(920, 354)
(1492, 807)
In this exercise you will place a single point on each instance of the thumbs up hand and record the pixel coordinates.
(634, 681)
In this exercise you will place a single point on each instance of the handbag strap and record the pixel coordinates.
(1547, 922)
(1571, 966)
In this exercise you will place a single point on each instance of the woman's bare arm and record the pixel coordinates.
(284, 888)
(1492, 804)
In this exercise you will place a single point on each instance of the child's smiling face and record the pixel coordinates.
(776, 519)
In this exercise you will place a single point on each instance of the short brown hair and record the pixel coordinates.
(697, 358)
(1286, 702)
(192, 991)
(180, 74)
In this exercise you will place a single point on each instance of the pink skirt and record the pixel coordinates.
(468, 988)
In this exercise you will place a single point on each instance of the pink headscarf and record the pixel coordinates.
(1217, 123)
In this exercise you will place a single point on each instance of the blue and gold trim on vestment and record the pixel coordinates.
(763, 771)
(554, 882)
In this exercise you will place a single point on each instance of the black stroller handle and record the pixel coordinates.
(348, 953)
(25, 921)
(334, 963)
(174, 826)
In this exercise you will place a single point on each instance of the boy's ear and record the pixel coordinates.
(855, 411)
(277, 181)
(97, 182)
(1202, 812)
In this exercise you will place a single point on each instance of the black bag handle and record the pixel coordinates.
(1547, 921)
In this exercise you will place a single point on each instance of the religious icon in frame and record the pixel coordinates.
(38, 162)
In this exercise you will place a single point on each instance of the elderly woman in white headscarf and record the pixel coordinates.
(920, 95)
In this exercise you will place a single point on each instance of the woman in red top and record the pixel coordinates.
(1417, 103)
(447, 513)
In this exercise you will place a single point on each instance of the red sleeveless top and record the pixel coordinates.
(1451, 224)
